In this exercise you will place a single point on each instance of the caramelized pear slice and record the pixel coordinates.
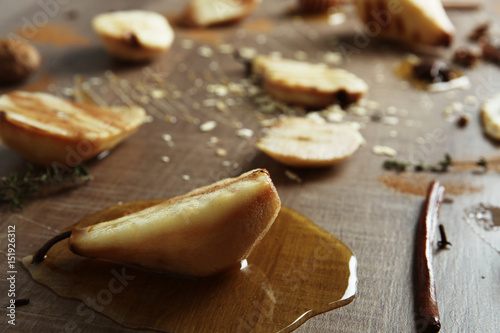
(302, 142)
(408, 21)
(46, 129)
(201, 233)
(306, 84)
(134, 35)
(205, 13)
(490, 115)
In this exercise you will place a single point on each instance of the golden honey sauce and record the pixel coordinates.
(296, 272)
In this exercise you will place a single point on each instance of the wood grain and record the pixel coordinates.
(348, 200)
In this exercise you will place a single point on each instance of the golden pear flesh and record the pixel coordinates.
(307, 143)
(313, 86)
(423, 22)
(206, 13)
(46, 129)
(490, 116)
(134, 35)
(201, 233)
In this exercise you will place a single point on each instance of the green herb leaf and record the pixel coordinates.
(35, 181)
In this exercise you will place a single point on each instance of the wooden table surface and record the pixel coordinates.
(350, 200)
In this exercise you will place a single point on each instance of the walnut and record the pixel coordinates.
(18, 60)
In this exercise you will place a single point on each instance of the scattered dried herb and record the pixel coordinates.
(400, 166)
(396, 165)
(482, 162)
(446, 163)
(38, 181)
(419, 167)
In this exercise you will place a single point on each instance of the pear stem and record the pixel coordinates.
(39, 256)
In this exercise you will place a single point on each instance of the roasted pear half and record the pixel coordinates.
(205, 13)
(306, 143)
(46, 129)
(490, 115)
(313, 86)
(134, 35)
(409, 21)
(201, 233)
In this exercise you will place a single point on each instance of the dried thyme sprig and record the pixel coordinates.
(400, 166)
(37, 181)
(396, 165)
(444, 164)
(441, 166)
(482, 162)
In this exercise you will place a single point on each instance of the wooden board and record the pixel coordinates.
(349, 200)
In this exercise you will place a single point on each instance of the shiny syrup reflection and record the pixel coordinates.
(296, 272)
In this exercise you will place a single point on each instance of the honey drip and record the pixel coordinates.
(297, 271)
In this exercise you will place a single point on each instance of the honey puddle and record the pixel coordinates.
(296, 272)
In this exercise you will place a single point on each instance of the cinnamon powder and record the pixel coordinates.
(54, 34)
(417, 184)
